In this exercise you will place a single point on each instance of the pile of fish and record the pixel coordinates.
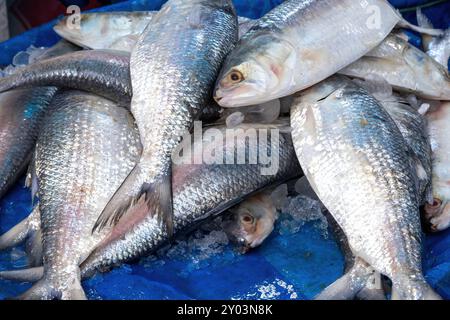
(119, 163)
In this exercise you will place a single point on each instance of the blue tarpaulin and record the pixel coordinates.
(289, 265)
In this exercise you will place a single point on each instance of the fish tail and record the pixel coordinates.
(44, 290)
(24, 275)
(349, 285)
(422, 30)
(413, 288)
(20, 232)
(157, 197)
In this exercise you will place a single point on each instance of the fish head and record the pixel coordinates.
(258, 70)
(437, 215)
(253, 221)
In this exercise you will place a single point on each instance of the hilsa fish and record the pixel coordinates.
(173, 67)
(103, 72)
(437, 212)
(358, 162)
(405, 68)
(201, 191)
(296, 45)
(116, 30)
(87, 147)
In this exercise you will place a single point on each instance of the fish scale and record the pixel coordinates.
(21, 115)
(295, 46)
(200, 191)
(359, 165)
(103, 72)
(87, 147)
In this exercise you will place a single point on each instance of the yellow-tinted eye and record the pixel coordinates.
(247, 219)
(236, 76)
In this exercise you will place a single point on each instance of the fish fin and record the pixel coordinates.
(24, 275)
(44, 290)
(17, 234)
(34, 249)
(31, 180)
(422, 20)
(349, 285)
(157, 197)
(428, 31)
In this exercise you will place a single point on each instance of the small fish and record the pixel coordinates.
(405, 67)
(173, 67)
(438, 212)
(295, 46)
(358, 162)
(103, 72)
(116, 30)
(87, 147)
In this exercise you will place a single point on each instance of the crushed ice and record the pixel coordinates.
(23, 58)
(299, 210)
(270, 291)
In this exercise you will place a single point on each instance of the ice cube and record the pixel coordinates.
(279, 196)
(21, 59)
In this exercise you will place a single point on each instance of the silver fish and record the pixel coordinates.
(21, 115)
(413, 127)
(104, 30)
(438, 212)
(103, 72)
(295, 46)
(437, 47)
(83, 153)
(359, 164)
(405, 67)
(200, 191)
(173, 67)
(115, 30)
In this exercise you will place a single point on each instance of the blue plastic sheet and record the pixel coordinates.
(287, 266)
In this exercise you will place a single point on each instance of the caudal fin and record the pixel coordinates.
(24, 275)
(44, 290)
(157, 197)
(21, 231)
(423, 30)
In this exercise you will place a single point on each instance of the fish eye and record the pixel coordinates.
(236, 76)
(436, 203)
(247, 219)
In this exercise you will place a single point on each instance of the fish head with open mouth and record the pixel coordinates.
(261, 68)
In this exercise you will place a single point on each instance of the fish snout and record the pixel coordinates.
(437, 215)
